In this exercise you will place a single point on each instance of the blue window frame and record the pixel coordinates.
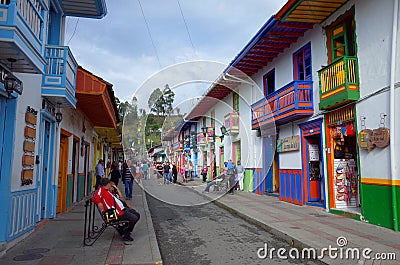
(302, 63)
(269, 82)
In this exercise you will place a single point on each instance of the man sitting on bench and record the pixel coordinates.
(106, 200)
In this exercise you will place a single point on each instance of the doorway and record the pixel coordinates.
(313, 179)
(45, 176)
(62, 175)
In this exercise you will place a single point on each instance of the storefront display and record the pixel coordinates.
(345, 183)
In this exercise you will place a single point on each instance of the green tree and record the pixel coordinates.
(160, 102)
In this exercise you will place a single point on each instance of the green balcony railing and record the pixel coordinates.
(339, 83)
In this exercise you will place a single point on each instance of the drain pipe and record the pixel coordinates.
(393, 167)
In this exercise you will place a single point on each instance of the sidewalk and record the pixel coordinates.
(306, 226)
(60, 241)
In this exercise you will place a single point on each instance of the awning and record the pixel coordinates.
(96, 99)
(84, 8)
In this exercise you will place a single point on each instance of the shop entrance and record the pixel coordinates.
(313, 179)
(343, 169)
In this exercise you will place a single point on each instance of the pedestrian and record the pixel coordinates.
(232, 175)
(120, 167)
(183, 174)
(105, 200)
(115, 174)
(159, 169)
(204, 173)
(145, 169)
(240, 174)
(128, 176)
(187, 172)
(99, 173)
(167, 173)
(191, 170)
(174, 173)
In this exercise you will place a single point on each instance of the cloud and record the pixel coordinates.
(118, 47)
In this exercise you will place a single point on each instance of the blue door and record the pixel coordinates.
(45, 169)
(269, 151)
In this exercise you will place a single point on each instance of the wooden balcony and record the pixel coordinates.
(58, 82)
(339, 83)
(21, 34)
(292, 102)
(231, 123)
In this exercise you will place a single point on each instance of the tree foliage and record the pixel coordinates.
(160, 102)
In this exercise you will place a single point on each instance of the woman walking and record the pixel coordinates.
(128, 176)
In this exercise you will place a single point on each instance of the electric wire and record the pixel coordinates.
(151, 37)
(73, 33)
(187, 30)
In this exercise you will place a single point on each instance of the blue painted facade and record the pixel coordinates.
(33, 32)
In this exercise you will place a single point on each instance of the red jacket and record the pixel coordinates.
(102, 195)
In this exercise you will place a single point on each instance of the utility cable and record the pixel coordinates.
(151, 37)
(187, 29)
(73, 33)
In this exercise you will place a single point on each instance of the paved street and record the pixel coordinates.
(203, 233)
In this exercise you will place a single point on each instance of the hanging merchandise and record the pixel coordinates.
(345, 183)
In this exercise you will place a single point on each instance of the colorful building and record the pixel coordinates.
(37, 92)
(317, 131)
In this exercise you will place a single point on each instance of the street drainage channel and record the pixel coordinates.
(31, 254)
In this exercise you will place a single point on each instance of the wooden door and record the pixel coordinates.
(62, 175)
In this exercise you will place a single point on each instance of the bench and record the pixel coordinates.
(93, 230)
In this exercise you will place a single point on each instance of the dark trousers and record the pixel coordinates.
(204, 177)
(133, 217)
(98, 178)
(232, 183)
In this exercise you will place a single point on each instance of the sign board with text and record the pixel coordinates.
(288, 144)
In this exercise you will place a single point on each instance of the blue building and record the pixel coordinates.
(37, 80)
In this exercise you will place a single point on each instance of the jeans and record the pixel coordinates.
(209, 184)
(128, 188)
(167, 177)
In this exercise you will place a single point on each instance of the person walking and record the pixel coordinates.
(232, 175)
(128, 176)
(174, 173)
(167, 173)
(115, 173)
(99, 173)
(204, 173)
(240, 173)
(191, 170)
(145, 169)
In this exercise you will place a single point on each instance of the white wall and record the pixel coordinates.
(31, 96)
(374, 36)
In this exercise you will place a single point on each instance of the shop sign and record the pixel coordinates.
(369, 139)
(313, 150)
(288, 144)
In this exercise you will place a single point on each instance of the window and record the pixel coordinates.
(302, 63)
(204, 121)
(235, 102)
(269, 82)
(341, 37)
(213, 118)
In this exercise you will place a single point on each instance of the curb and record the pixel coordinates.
(294, 242)
(155, 250)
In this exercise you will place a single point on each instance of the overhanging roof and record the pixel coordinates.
(312, 11)
(84, 8)
(96, 99)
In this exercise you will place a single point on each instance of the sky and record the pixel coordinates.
(119, 49)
